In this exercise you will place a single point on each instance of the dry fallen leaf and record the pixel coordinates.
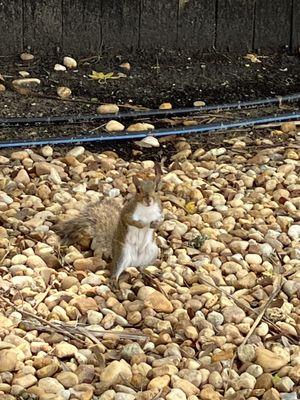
(191, 207)
(102, 76)
(253, 58)
(223, 356)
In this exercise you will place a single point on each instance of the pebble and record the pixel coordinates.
(271, 394)
(26, 82)
(108, 109)
(25, 381)
(70, 62)
(21, 282)
(24, 74)
(199, 103)
(289, 396)
(269, 360)
(8, 358)
(85, 373)
(216, 380)
(35, 262)
(26, 57)
(225, 215)
(253, 259)
(159, 382)
(47, 151)
(64, 92)
(47, 370)
(148, 141)
(246, 381)
(285, 384)
(187, 387)
(114, 126)
(116, 372)
(68, 282)
(140, 127)
(158, 302)
(294, 232)
(86, 304)
(51, 385)
(287, 127)
(176, 394)
(59, 67)
(76, 151)
(255, 370)
(246, 353)
(64, 349)
(5, 323)
(130, 350)
(124, 396)
(165, 106)
(67, 379)
(233, 314)
(126, 65)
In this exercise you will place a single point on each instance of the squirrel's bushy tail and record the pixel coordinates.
(96, 220)
(71, 230)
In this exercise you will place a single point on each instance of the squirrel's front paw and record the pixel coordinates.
(155, 224)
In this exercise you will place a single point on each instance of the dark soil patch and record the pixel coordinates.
(176, 77)
(153, 79)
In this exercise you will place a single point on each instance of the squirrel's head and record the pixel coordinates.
(146, 190)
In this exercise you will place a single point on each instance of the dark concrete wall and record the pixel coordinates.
(86, 27)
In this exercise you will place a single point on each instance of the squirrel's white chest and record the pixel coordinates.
(147, 214)
(140, 246)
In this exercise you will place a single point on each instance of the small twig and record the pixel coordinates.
(278, 281)
(273, 125)
(291, 271)
(42, 320)
(158, 394)
(92, 337)
(251, 310)
(4, 256)
(274, 294)
(98, 127)
(43, 297)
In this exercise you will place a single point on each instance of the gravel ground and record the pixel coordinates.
(218, 318)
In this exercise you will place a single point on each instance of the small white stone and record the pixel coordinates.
(294, 232)
(253, 259)
(24, 74)
(70, 62)
(64, 92)
(114, 192)
(199, 103)
(76, 151)
(26, 57)
(255, 370)
(47, 151)
(176, 394)
(114, 126)
(59, 67)
(21, 282)
(149, 141)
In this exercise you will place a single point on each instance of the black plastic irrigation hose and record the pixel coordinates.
(76, 119)
(156, 132)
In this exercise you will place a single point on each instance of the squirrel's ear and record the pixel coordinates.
(137, 183)
(158, 174)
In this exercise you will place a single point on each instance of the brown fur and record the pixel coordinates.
(106, 222)
(98, 221)
(124, 222)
